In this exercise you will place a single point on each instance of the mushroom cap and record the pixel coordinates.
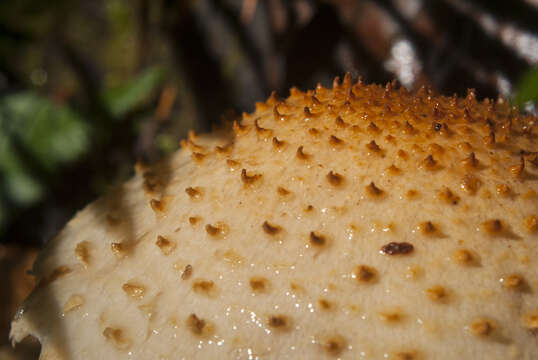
(354, 222)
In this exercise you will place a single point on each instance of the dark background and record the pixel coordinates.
(87, 87)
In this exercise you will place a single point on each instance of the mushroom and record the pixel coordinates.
(305, 252)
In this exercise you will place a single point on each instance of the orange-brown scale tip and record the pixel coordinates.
(334, 345)
(198, 157)
(335, 179)
(165, 245)
(428, 228)
(373, 128)
(301, 154)
(194, 193)
(372, 146)
(463, 257)
(513, 282)
(518, 170)
(348, 80)
(156, 205)
(493, 226)
(317, 239)
(187, 272)
(335, 141)
(489, 140)
(259, 284)
(277, 115)
(482, 327)
(239, 129)
(336, 82)
(394, 170)
(195, 324)
(278, 144)
(447, 196)
(249, 179)
(470, 184)
(314, 131)
(409, 129)
(260, 130)
(531, 223)
(471, 161)
(436, 293)
(271, 229)
(373, 190)
(340, 122)
(307, 113)
(429, 163)
(224, 149)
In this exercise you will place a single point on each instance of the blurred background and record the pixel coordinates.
(87, 87)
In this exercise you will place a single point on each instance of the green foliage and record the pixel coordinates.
(527, 89)
(126, 98)
(35, 133)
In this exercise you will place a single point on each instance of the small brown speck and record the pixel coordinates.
(397, 248)
(373, 190)
(530, 320)
(317, 239)
(198, 157)
(513, 282)
(278, 116)
(224, 149)
(314, 131)
(282, 191)
(194, 193)
(280, 322)
(531, 223)
(393, 170)
(309, 208)
(239, 129)
(82, 252)
(428, 228)
(335, 179)
(437, 293)
(402, 154)
(166, 246)
(463, 257)
(195, 324)
(405, 355)
(324, 304)
(193, 220)
(118, 249)
(205, 287)
(307, 113)
(334, 345)
(365, 274)
(249, 179)
(278, 144)
(134, 290)
(493, 226)
(117, 337)
(74, 302)
(301, 154)
(482, 327)
(448, 197)
(409, 129)
(259, 284)
(216, 230)
(187, 272)
(271, 229)
(232, 164)
(391, 316)
(411, 194)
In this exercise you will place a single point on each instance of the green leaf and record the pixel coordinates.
(125, 98)
(527, 89)
(53, 134)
